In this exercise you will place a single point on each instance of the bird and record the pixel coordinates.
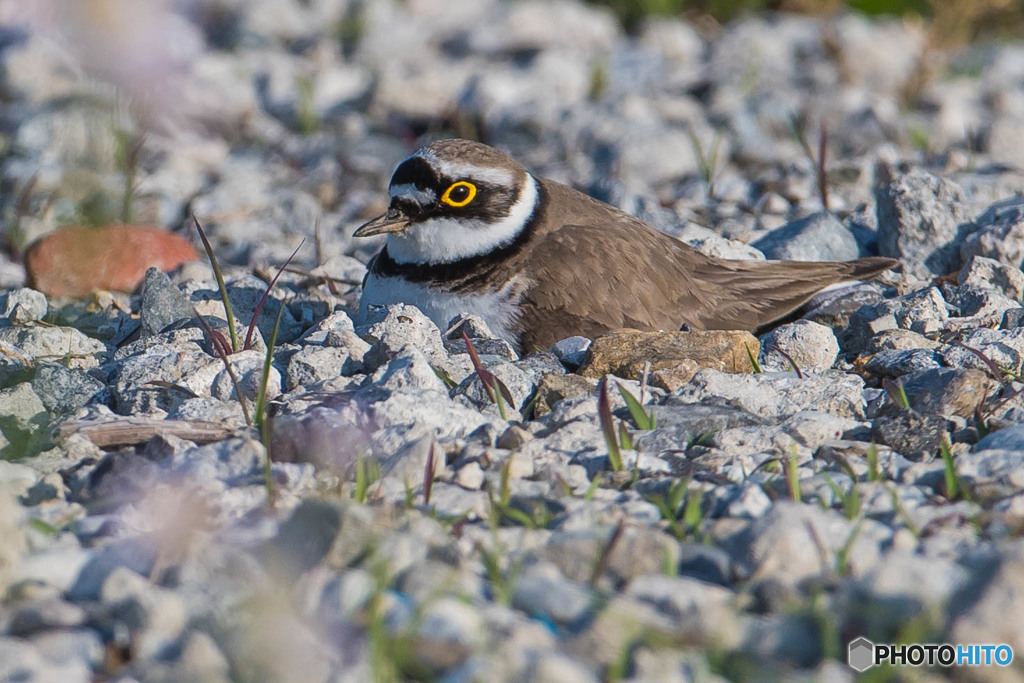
(470, 230)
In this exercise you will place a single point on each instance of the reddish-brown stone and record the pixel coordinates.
(76, 261)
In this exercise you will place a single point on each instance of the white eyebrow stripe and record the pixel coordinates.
(412, 192)
(462, 171)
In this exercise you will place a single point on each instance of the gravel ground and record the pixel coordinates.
(868, 480)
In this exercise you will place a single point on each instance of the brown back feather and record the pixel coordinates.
(650, 281)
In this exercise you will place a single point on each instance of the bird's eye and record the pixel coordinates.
(459, 194)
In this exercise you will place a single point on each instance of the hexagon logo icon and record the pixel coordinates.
(861, 654)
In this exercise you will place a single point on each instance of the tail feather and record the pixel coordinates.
(753, 294)
(866, 268)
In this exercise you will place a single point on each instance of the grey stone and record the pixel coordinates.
(344, 595)
(751, 441)
(280, 646)
(331, 435)
(818, 237)
(15, 366)
(470, 476)
(395, 327)
(813, 428)
(670, 666)
(712, 244)
(17, 479)
(919, 311)
(248, 369)
(409, 464)
(620, 622)
(351, 342)
(679, 425)
(58, 567)
(552, 666)
(63, 345)
(473, 326)
(318, 531)
(154, 617)
(162, 303)
(63, 390)
(811, 346)
(921, 219)
(24, 305)
(429, 409)
(408, 369)
(544, 593)
(900, 340)
(71, 648)
(895, 363)
(977, 305)
(779, 545)
(200, 659)
(185, 366)
(135, 554)
(1005, 348)
(338, 321)
(317, 363)
(1013, 318)
(991, 601)
(774, 396)
(245, 294)
(20, 660)
(991, 472)
(187, 337)
(947, 391)
(517, 382)
(230, 460)
(452, 502)
(23, 418)
(1000, 236)
(985, 272)
(571, 351)
(485, 348)
(785, 638)
(555, 388)
(14, 541)
(533, 27)
(836, 311)
(1009, 439)
(690, 603)
(540, 364)
(912, 434)
(705, 563)
(228, 413)
(450, 630)
(745, 501)
(637, 552)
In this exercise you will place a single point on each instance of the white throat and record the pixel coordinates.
(444, 240)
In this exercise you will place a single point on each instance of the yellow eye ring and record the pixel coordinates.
(464, 193)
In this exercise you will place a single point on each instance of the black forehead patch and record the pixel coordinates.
(415, 171)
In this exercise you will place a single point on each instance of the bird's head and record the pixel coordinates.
(454, 199)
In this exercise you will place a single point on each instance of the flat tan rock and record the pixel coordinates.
(554, 388)
(674, 376)
(623, 353)
(77, 261)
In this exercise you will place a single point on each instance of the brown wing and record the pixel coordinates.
(591, 279)
(587, 280)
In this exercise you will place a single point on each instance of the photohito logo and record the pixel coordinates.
(862, 654)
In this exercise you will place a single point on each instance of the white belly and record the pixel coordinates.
(499, 309)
